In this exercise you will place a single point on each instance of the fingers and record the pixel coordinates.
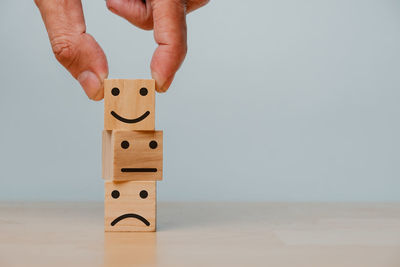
(140, 14)
(168, 18)
(76, 50)
(134, 11)
(170, 34)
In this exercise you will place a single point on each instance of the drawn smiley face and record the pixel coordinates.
(129, 104)
(132, 155)
(130, 206)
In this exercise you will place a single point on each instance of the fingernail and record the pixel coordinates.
(162, 85)
(91, 85)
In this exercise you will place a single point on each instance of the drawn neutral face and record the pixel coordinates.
(130, 206)
(132, 155)
(129, 104)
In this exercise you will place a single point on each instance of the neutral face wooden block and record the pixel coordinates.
(132, 155)
(130, 206)
(129, 104)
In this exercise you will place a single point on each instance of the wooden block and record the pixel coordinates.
(132, 155)
(129, 104)
(130, 206)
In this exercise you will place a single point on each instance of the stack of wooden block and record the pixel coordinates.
(132, 155)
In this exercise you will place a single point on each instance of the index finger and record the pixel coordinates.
(170, 33)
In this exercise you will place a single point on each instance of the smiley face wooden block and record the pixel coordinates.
(129, 104)
(130, 206)
(132, 155)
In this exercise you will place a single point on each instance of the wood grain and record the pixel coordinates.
(129, 104)
(138, 154)
(194, 234)
(106, 154)
(129, 201)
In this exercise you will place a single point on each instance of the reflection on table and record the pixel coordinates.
(129, 249)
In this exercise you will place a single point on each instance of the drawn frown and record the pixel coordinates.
(130, 206)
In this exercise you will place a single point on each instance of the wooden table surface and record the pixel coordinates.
(204, 234)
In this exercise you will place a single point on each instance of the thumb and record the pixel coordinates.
(76, 50)
(84, 59)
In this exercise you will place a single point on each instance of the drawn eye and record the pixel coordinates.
(143, 91)
(115, 91)
(153, 144)
(143, 194)
(115, 194)
(124, 144)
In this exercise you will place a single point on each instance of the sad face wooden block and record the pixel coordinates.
(129, 104)
(132, 155)
(130, 206)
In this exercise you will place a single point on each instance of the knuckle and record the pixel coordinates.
(65, 50)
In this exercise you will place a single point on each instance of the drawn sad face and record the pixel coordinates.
(130, 206)
(129, 104)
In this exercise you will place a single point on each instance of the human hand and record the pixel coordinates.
(82, 56)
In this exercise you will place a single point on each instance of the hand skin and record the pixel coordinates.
(83, 57)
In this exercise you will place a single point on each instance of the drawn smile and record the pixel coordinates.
(130, 215)
(138, 119)
(139, 170)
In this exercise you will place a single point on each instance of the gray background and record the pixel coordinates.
(277, 101)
